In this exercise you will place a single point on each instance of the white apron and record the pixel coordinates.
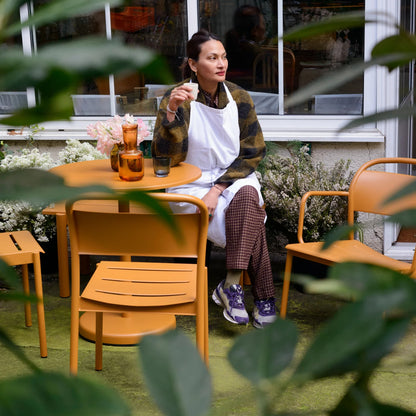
(213, 144)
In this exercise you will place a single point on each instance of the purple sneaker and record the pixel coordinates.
(232, 300)
(264, 312)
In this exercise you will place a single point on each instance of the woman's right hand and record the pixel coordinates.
(178, 96)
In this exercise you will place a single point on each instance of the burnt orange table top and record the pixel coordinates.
(100, 172)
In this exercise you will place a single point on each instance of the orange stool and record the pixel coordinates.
(19, 248)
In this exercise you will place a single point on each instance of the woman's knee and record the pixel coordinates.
(247, 193)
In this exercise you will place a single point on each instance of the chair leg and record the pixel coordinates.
(26, 290)
(98, 341)
(73, 349)
(39, 305)
(206, 328)
(63, 262)
(208, 253)
(286, 283)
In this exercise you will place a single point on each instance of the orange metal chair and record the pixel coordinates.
(124, 286)
(368, 191)
(20, 248)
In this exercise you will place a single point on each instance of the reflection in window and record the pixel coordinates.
(87, 100)
(250, 37)
(407, 22)
(11, 101)
(162, 26)
(323, 54)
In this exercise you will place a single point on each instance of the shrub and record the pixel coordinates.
(285, 179)
(20, 215)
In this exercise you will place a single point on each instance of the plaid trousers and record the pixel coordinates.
(246, 245)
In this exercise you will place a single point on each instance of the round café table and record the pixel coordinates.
(125, 329)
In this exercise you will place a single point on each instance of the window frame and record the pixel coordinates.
(275, 127)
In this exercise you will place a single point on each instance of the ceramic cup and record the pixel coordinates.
(161, 166)
(194, 86)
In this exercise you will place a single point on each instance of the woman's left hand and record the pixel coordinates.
(211, 201)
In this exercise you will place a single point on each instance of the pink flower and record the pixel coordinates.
(110, 132)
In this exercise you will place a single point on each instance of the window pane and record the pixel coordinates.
(406, 21)
(162, 26)
(321, 55)
(89, 99)
(11, 101)
(249, 33)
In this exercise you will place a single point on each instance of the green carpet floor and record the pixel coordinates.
(394, 383)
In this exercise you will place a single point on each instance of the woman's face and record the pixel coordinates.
(212, 63)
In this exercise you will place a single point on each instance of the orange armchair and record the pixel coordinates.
(368, 191)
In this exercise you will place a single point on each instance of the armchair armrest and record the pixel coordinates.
(302, 207)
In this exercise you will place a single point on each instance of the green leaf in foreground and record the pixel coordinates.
(404, 43)
(7, 342)
(356, 338)
(175, 374)
(405, 218)
(409, 189)
(402, 112)
(56, 10)
(9, 275)
(40, 187)
(358, 401)
(50, 394)
(260, 355)
(341, 232)
(57, 69)
(329, 25)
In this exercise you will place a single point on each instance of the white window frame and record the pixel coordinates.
(307, 128)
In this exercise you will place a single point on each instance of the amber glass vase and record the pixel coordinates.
(130, 159)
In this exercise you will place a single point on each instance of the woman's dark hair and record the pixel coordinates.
(193, 49)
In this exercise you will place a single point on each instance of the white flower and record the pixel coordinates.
(75, 151)
(20, 215)
(27, 158)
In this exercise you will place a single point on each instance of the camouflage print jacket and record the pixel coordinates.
(171, 138)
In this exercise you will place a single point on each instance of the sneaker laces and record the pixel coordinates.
(236, 297)
(265, 306)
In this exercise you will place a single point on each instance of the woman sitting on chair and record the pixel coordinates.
(218, 131)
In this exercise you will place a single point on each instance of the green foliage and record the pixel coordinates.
(392, 52)
(43, 394)
(56, 70)
(352, 342)
(285, 179)
(265, 364)
(364, 331)
(175, 374)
